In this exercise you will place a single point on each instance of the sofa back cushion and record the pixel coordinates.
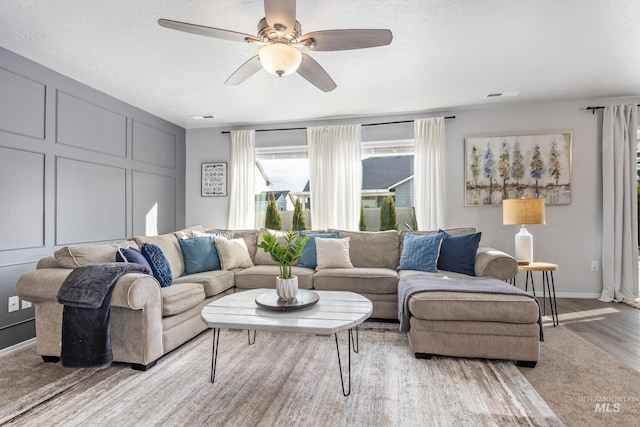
(168, 243)
(73, 256)
(261, 257)
(379, 249)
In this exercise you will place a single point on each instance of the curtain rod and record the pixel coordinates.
(593, 109)
(366, 124)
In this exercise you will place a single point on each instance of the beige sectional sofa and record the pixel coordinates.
(148, 321)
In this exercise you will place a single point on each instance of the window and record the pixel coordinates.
(387, 168)
(283, 172)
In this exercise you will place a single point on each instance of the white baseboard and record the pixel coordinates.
(574, 295)
(17, 347)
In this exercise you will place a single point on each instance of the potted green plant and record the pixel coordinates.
(285, 254)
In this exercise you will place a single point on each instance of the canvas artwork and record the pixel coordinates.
(508, 167)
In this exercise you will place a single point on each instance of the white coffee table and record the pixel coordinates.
(333, 313)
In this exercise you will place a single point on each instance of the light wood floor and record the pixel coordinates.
(614, 327)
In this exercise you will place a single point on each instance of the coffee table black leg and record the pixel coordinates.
(251, 342)
(356, 343)
(349, 339)
(214, 353)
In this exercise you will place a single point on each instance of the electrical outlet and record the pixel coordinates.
(594, 265)
(26, 304)
(14, 304)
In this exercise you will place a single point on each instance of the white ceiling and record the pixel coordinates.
(445, 54)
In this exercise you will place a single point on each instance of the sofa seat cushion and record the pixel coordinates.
(470, 306)
(213, 282)
(369, 280)
(181, 297)
(264, 276)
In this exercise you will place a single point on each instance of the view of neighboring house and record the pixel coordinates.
(285, 200)
(384, 176)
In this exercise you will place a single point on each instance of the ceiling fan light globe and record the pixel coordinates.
(280, 59)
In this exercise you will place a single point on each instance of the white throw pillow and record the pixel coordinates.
(333, 253)
(233, 253)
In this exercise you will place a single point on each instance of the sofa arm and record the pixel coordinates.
(135, 291)
(491, 262)
(41, 285)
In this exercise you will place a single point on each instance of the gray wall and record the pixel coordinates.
(76, 166)
(572, 235)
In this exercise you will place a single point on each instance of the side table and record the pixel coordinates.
(547, 270)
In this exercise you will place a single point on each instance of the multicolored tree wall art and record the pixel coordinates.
(508, 167)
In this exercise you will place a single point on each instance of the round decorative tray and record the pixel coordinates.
(269, 300)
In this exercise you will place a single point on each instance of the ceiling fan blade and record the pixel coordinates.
(201, 30)
(346, 39)
(280, 12)
(313, 72)
(245, 71)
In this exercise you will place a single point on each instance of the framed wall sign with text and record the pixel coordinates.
(214, 179)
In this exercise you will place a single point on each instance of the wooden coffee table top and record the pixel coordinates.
(335, 311)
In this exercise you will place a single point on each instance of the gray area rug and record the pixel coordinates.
(289, 379)
(583, 384)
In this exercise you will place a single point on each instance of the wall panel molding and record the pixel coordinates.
(153, 145)
(90, 202)
(66, 173)
(83, 124)
(22, 105)
(22, 174)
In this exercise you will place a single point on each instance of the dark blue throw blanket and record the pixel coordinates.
(415, 283)
(86, 295)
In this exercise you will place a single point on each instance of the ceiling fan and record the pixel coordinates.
(281, 36)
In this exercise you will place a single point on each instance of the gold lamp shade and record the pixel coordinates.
(523, 211)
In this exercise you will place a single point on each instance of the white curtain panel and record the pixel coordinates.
(429, 173)
(242, 168)
(335, 176)
(619, 204)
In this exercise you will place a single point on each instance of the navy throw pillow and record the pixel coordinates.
(420, 252)
(458, 253)
(309, 257)
(132, 255)
(200, 254)
(158, 262)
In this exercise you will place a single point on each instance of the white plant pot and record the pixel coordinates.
(287, 289)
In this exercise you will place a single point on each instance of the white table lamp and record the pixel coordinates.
(523, 211)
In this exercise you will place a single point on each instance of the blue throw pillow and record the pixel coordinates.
(158, 262)
(458, 253)
(309, 257)
(420, 252)
(133, 256)
(199, 254)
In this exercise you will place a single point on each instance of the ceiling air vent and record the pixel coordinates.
(502, 94)
(204, 117)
